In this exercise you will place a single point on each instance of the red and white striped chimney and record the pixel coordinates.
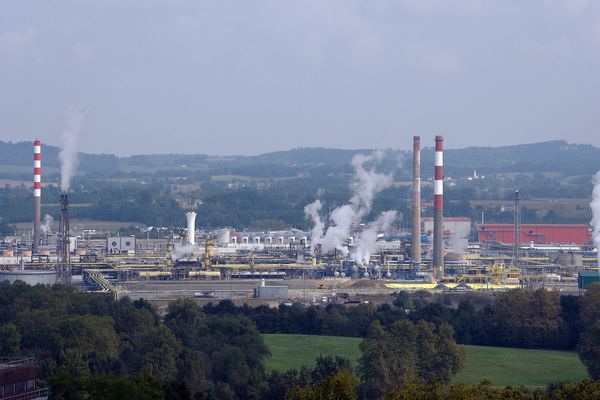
(438, 207)
(37, 191)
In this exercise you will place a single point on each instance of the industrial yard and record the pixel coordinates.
(337, 261)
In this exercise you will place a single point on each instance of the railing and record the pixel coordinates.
(8, 362)
(38, 394)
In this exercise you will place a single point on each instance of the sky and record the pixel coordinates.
(248, 77)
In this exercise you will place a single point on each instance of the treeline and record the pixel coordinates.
(343, 386)
(81, 339)
(88, 345)
(527, 319)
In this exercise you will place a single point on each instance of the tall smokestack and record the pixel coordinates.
(438, 207)
(416, 220)
(517, 230)
(37, 192)
(191, 227)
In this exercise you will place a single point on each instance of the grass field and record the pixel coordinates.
(502, 365)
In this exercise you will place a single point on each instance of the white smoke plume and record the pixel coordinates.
(70, 140)
(312, 212)
(365, 184)
(47, 225)
(595, 206)
(181, 251)
(366, 241)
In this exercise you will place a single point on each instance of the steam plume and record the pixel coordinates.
(367, 239)
(47, 225)
(365, 184)
(182, 251)
(312, 212)
(595, 206)
(68, 153)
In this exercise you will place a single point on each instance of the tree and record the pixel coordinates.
(589, 341)
(589, 350)
(590, 306)
(408, 354)
(104, 387)
(375, 371)
(10, 341)
(340, 386)
(526, 319)
(326, 366)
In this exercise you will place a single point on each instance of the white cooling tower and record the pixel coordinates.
(191, 227)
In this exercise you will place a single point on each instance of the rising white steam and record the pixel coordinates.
(312, 212)
(181, 251)
(70, 140)
(366, 242)
(47, 225)
(365, 184)
(595, 206)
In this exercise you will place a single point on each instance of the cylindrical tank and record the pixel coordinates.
(223, 237)
(569, 258)
(29, 277)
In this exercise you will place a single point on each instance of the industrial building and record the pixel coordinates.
(536, 233)
(435, 253)
(18, 379)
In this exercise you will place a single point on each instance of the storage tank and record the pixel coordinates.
(29, 276)
(223, 237)
(567, 258)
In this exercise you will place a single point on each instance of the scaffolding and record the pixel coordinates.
(63, 265)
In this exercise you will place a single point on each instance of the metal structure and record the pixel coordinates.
(438, 208)
(37, 193)
(63, 265)
(517, 229)
(416, 220)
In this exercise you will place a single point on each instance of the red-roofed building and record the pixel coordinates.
(536, 233)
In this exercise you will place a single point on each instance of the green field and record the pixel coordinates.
(502, 365)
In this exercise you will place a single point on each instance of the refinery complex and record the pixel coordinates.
(342, 256)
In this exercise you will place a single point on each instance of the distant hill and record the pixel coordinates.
(551, 156)
(21, 154)
(557, 155)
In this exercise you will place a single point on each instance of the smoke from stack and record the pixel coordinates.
(37, 192)
(595, 206)
(438, 207)
(68, 153)
(416, 220)
(365, 184)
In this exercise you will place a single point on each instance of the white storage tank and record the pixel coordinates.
(223, 237)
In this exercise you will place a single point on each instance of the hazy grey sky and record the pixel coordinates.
(252, 76)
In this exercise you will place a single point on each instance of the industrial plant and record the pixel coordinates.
(343, 254)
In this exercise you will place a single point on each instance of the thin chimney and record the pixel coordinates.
(37, 192)
(438, 207)
(416, 220)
